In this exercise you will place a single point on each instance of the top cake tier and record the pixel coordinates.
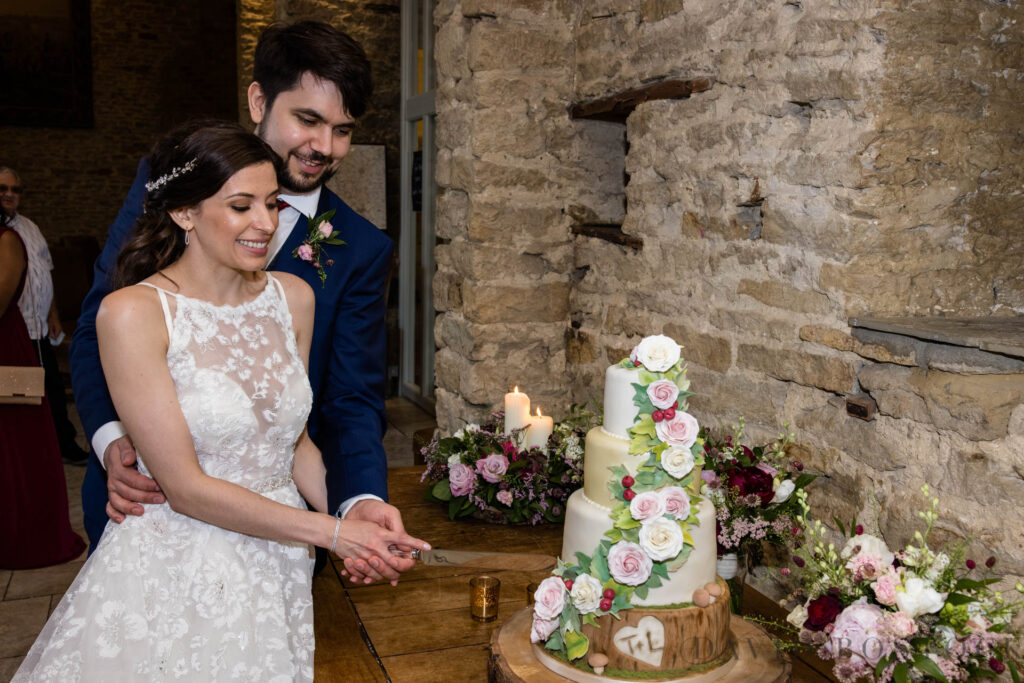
(620, 413)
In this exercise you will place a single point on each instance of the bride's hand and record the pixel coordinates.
(364, 548)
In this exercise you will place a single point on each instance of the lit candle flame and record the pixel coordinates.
(538, 412)
(516, 390)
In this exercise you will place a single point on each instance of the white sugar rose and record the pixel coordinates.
(662, 539)
(542, 629)
(549, 598)
(680, 431)
(918, 597)
(678, 462)
(784, 491)
(658, 353)
(646, 507)
(586, 593)
(868, 544)
(663, 393)
(677, 501)
(629, 564)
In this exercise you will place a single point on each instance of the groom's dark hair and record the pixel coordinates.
(285, 52)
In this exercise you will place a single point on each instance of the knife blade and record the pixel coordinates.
(478, 559)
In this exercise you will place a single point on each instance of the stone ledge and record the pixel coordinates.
(995, 335)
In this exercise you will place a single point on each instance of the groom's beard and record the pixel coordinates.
(300, 183)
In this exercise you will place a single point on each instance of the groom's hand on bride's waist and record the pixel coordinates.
(126, 487)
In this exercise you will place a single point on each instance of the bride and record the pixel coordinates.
(205, 355)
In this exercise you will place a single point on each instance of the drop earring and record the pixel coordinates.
(186, 238)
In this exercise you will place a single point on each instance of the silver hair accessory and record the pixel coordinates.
(174, 173)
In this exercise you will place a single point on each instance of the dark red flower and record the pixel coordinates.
(990, 562)
(859, 529)
(798, 561)
(751, 480)
(996, 665)
(822, 611)
(971, 564)
(747, 452)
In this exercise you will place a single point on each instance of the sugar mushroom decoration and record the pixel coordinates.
(598, 661)
(701, 598)
(714, 590)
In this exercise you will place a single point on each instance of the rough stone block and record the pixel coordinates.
(879, 445)
(447, 291)
(889, 386)
(780, 295)
(753, 324)
(495, 47)
(841, 341)
(812, 370)
(493, 303)
(452, 214)
(976, 406)
(722, 399)
(712, 351)
(530, 224)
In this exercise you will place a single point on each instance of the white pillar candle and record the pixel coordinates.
(517, 410)
(539, 430)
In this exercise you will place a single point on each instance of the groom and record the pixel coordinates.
(311, 82)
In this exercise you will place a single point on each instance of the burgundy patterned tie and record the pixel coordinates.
(282, 204)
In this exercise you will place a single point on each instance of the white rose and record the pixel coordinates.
(661, 539)
(678, 462)
(454, 459)
(646, 507)
(869, 544)
(586, 593)
(472, 427)
(459, 434)
(918, 597)
(784, 491)
(658, 353)
(798, 616)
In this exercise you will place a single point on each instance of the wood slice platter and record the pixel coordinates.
(514, 659)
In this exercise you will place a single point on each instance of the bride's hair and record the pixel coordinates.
(190, 164)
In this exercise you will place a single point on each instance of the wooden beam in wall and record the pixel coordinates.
(610, 232)
(618, 106)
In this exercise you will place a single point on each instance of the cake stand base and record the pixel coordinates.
(514, 659)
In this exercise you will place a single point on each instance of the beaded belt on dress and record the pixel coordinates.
(271, 484)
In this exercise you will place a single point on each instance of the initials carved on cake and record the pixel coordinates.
(645, 641)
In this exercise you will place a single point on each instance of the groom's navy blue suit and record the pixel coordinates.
(347, 359)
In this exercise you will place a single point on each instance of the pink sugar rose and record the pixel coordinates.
(677, 501)
(549, 598)
(629, 564)
(885, 587)
(861, 629)
(542, 629)
(663, 393)
(305, 252)
(646, 506)
(681, 431)
(461, 479)
(325, 229)
(492, 467)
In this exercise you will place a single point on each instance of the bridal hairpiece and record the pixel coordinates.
(174, 173)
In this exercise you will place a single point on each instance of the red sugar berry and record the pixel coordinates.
(568, 584)
(859, 529)
(609, 593)
(637, 364)
(628, 495)
(628, 481)
(605, 605)
(658, 415)
(668, 413)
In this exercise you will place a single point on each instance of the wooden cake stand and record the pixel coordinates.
(514, 659)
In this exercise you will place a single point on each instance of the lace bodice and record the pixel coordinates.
(240, 382)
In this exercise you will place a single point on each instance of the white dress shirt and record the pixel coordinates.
(287, 218)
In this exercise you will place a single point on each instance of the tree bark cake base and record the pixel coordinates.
(750, 658)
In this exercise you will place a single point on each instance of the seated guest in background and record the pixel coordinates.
(39, 309)
(34, 526)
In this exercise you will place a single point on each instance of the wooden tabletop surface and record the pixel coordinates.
(421, 630)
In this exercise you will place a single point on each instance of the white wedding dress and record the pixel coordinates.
(167, 597)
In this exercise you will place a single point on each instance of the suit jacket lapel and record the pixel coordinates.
(284, 256)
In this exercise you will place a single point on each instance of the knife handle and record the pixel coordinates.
(413, 554)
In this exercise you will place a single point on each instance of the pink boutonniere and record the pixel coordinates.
(311, 250)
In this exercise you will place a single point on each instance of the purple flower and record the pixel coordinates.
(461, 479)
(493, 467)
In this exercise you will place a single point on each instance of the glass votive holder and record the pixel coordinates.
(531, 588)
(483, 603)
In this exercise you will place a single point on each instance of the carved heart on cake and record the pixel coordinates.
(645, 641)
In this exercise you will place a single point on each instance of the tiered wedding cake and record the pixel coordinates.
(636, 595)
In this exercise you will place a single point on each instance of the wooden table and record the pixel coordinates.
(421, 630)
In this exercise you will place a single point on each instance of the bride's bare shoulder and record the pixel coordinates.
(134, 306)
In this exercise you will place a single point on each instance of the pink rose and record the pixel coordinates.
(629, 564)
(549, 598)
(505, 498)
(677, 501)
(646, 506)
(325, 229)
(680, 431)
(461, 479)
(542, 629)
(885, 587)
(865, 565)
(305, 252)
(492, 467)
(663, 393)
(860, 628)
(901, 625)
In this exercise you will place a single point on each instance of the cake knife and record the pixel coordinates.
(479, 559)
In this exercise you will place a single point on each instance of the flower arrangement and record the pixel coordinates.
(907, 615)
(480, 471)
(757, 492)
(653, 512)
(311, 250)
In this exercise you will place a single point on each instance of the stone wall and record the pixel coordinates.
(850, 158)
(154, 65)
